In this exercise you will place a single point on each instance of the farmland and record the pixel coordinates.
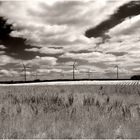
(89, 109)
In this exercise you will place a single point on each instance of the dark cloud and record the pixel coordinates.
(128, 10)
(4, 29)
(15, 47)
(117, 53)
(66, 60)
(56, 47)
(81, 51)
(51, 55)
(100, 65)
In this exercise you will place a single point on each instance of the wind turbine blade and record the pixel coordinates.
(74, 62)
(22, 63)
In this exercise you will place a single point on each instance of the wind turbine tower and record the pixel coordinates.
(74, 68)
(117, 71)
(25, 71)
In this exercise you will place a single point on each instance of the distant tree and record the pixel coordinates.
(135, 77)
(37, 80)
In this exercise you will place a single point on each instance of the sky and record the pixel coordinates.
(48, 36)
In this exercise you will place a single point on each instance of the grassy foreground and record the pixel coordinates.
(70, 111)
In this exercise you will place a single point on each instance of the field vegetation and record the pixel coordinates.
(70, 111)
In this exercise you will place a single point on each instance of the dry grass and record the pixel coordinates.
(71, 111)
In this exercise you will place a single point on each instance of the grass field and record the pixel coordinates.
(70, 110)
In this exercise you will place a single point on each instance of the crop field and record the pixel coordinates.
(89, 109)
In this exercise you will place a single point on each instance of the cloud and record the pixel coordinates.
(2, 52)
(54, 32)
(125, 11)
(13, 46)
(48, 61)
(5, 59)
(46, 50)
(2, 47)
(56, 24)
(91, 57)
(117, 53)
(4, 72)
(128, 27)
(43, 71)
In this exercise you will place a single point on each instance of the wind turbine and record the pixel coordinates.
(25, 71)
(34, 75)
(117, 71)
(62, 74)
(89, 73)
(73, 69)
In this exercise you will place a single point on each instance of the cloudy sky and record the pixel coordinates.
(49, 35)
